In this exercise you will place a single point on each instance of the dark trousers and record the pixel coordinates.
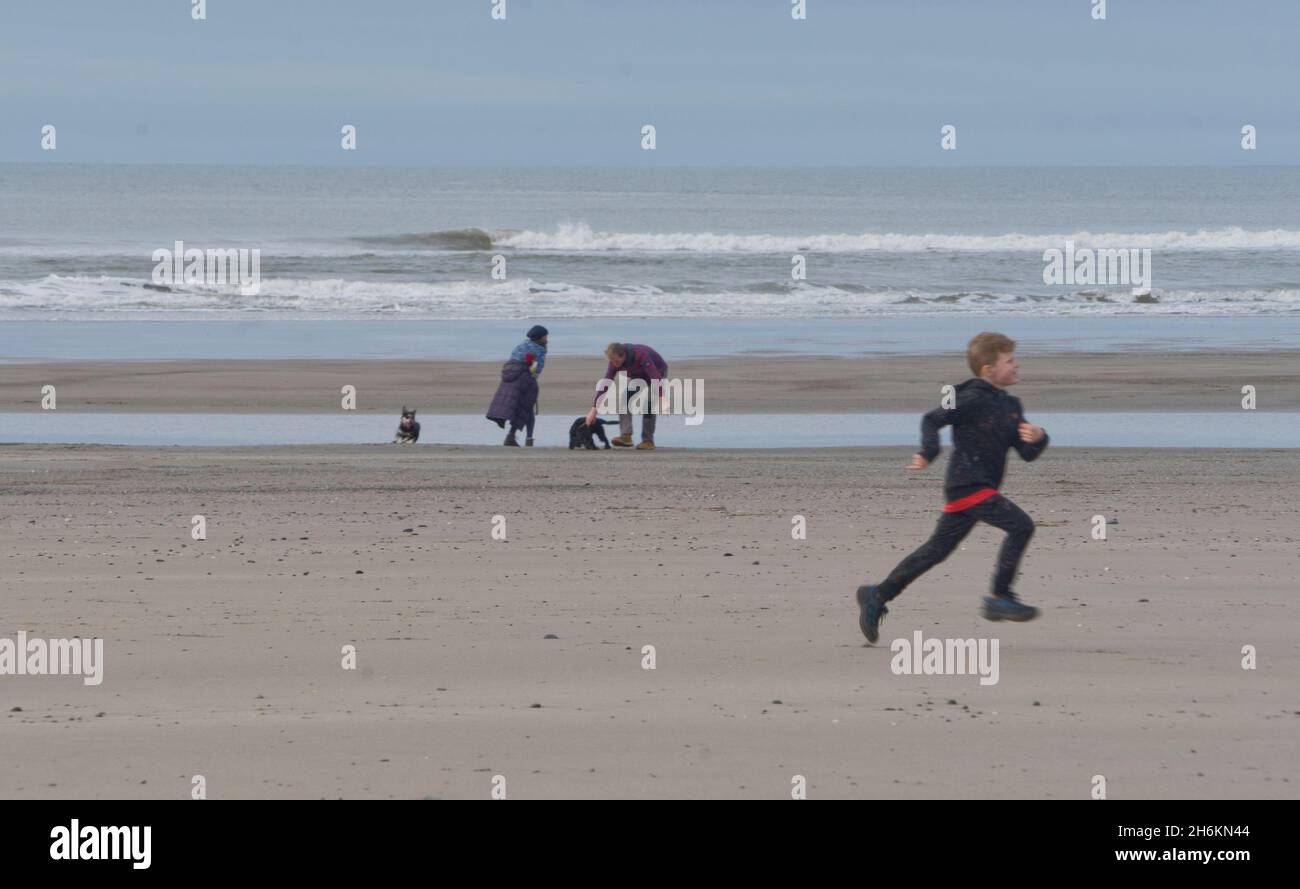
(952, 529)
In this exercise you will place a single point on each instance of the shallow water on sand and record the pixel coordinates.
(1244, 429)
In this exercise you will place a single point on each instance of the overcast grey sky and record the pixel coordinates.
(725, 82)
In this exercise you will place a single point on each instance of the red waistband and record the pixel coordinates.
(970, 500)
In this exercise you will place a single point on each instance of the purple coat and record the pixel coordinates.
(516, 396)
(641, 363)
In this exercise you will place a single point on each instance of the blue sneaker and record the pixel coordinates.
(1008, 607)
(871, 611)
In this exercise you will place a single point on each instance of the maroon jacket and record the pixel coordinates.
(641, 363)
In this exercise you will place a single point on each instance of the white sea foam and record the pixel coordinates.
(65, 296)
(576, 238)
(580, 238)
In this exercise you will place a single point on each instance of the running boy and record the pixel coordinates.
(986, 421)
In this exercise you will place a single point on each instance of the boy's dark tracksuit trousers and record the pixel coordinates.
(985, 423)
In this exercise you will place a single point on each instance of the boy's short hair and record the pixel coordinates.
(984, 348)
(615, 349)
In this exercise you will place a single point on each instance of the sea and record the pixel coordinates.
(812, 261)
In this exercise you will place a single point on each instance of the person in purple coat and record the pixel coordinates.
(515, 401)
(641, 363)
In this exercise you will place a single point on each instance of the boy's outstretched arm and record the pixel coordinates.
(931, 423)
(1031, 440)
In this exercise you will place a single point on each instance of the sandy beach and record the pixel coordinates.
(223, 656)
(1139, 381)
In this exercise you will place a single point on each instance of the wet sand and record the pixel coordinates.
(1149, 381)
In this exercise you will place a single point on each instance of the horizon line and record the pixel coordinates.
(652, 167)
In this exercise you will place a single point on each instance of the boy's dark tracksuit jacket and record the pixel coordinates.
(984, 423)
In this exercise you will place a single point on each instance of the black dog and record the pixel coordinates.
(408, 431)
(581, 435)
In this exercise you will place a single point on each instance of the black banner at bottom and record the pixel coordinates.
(333, 839)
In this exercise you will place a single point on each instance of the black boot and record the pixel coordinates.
(1008, 607)
(871, 611)
(510, 440)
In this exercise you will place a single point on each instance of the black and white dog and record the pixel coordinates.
(408, 431)
(581, 435)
